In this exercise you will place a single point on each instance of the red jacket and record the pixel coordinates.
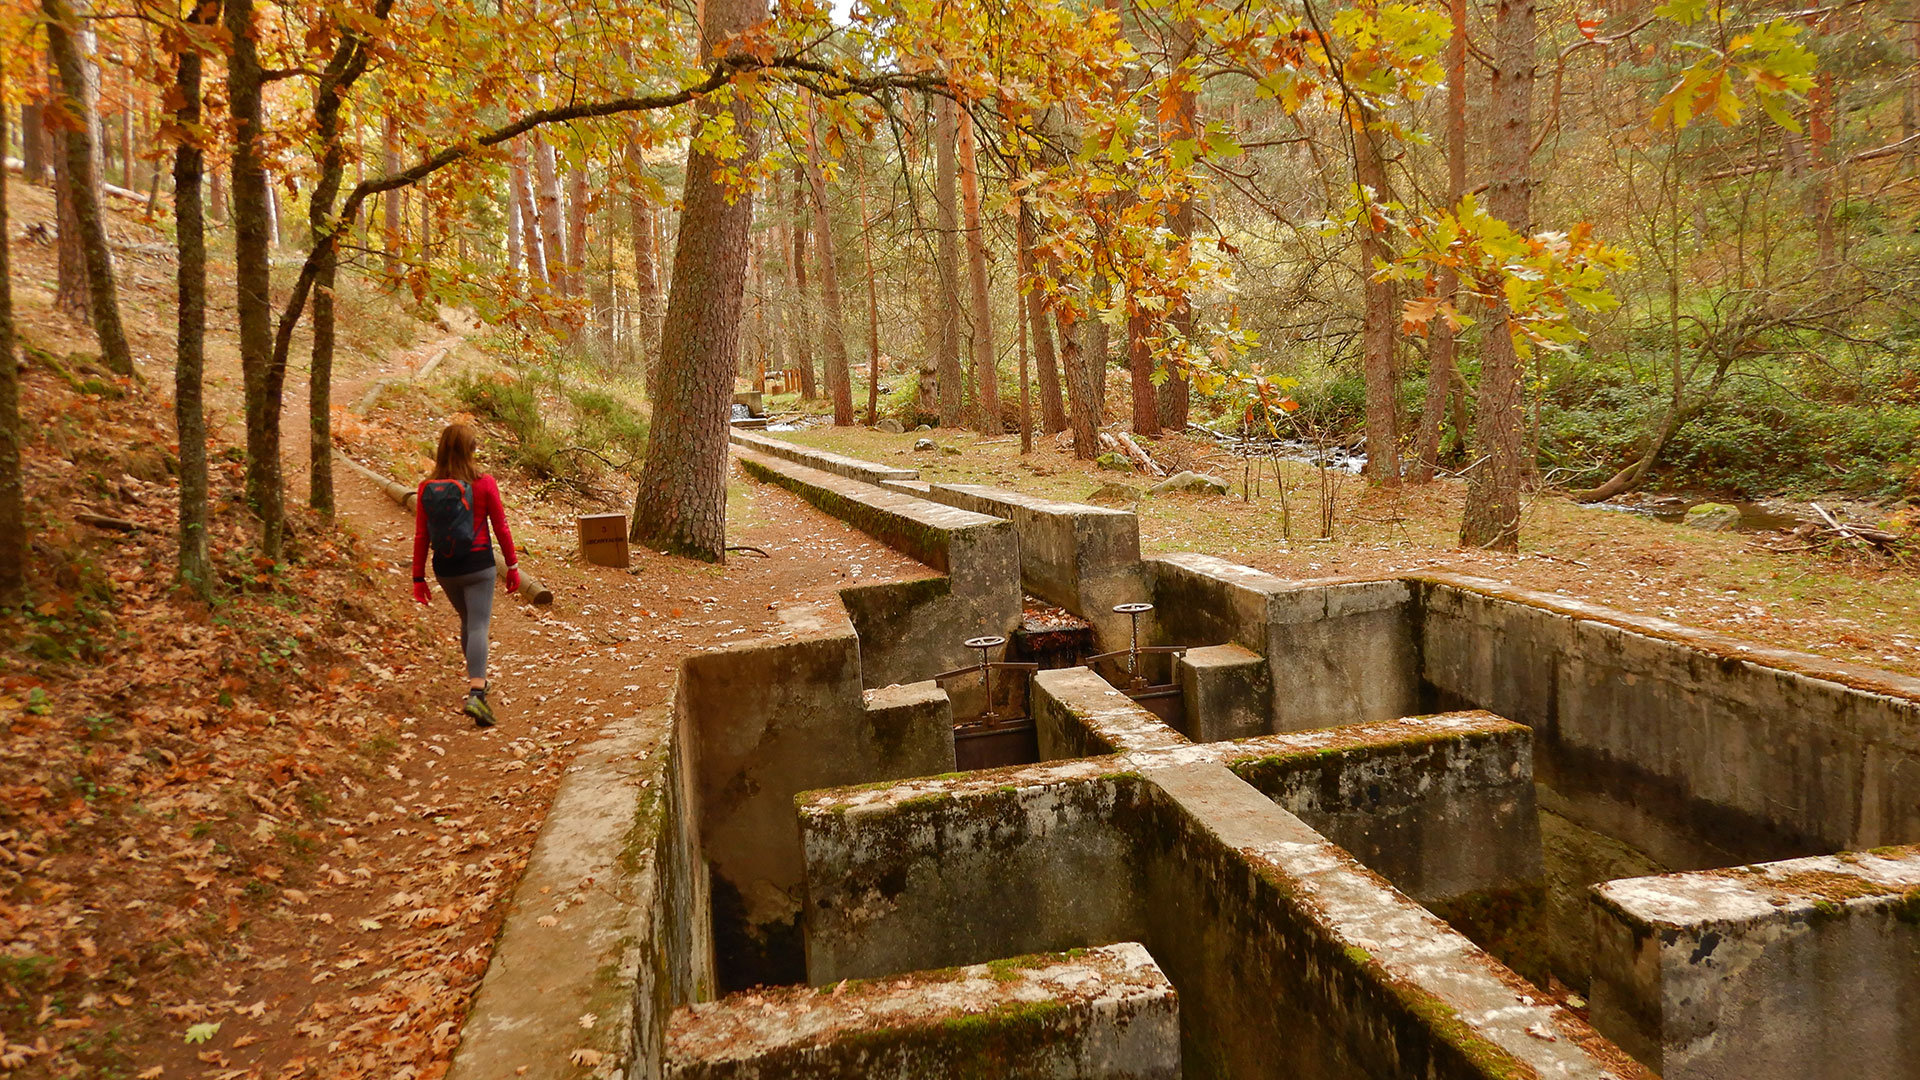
(487, 509)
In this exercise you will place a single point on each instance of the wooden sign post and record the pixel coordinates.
(603, 539)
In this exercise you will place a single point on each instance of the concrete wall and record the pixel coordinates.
(1338, 652)
(1702, 749)
(1227, 691)
(913, 630)
(1076, 713)
(1290, 959)
(1807, 969)
(1105, 1013)
(608, 921)
(765, 720)
(825, 460)
(1083, 558)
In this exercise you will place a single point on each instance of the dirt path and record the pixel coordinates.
(203, 874)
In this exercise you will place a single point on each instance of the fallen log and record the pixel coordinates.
(102, 521)
(531, 589)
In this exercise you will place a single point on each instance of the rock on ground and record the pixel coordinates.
(1191, 481)
(1713, 517)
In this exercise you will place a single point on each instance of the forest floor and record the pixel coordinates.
(1843, 603)
(255, 838)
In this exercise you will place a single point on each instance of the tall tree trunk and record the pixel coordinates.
(516, 262)
(1176, 396)
(1440, 354)
(1053, 411)
(1086, 371)
(13, 503)
(1084, 423)
(393, 221)
(349, 60)
(71, 294)
(1380, 315)
(552, 225)
(252, 279)
(126, 133)
(985, 364)
(802, 302)
(681, 506)
(63, 32)
(194, 567)
(273, 213)
(646, 277)
(33, 142)
(1146, 402)
(1492, 516)
(947, 358)
(578, 213)
(839, 377)
(531, 244)
(217, 211)
(873, 305)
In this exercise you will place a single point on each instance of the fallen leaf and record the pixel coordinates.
(584, 1056)
(200, 1033)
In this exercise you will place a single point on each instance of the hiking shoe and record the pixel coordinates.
(478, 708)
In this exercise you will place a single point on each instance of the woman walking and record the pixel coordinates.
(453, 509)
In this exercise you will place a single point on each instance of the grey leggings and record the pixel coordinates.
(472, 596)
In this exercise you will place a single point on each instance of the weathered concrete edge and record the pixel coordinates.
(908, 524)
(824, 460)
(579, 937)
(1884, 879)
(784, 1025)
(1084, 710)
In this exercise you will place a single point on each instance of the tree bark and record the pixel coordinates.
(578, 212)
(193, 567)
(63, 31)
(343, 68)
(1053, 411)
(251, 233)
(217, 211)
(1380, 315)
(1441, 373)
(552, 225)
(646, 277)
(393, 222)
(516, 261)
(1087, 371)
(33, 142)
(13, 503)
(531, 244)
(873, 305)
(985, 364)
(1176, 396)
(802, 303)
(681, 504)
(947, 358)
(1492, 516)
(839, 377)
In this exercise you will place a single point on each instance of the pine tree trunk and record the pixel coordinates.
(1053, 411)
(986, 375)
(947, 359)
(578, 213)
(82, 160)
(646, 277)
(834, 334)
(873, 305)
(217, 210)
(1085, 366)
(1492, 516)
(393, 221)
(194, 566)
(1380, 316)
(1146, 402)
(681, 505)
(1175, 394)
(252, 279)
(13, 503)
(802, 302)
(553, 241)
(531, 245)
(1440, 354)
(33, 142)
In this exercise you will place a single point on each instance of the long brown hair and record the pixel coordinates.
(454, 459)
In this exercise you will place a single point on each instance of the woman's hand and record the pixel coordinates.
(420, 592)
(513, 579)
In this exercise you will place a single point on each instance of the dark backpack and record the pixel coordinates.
(449, 508)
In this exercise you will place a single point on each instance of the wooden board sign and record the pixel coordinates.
(603, 539)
